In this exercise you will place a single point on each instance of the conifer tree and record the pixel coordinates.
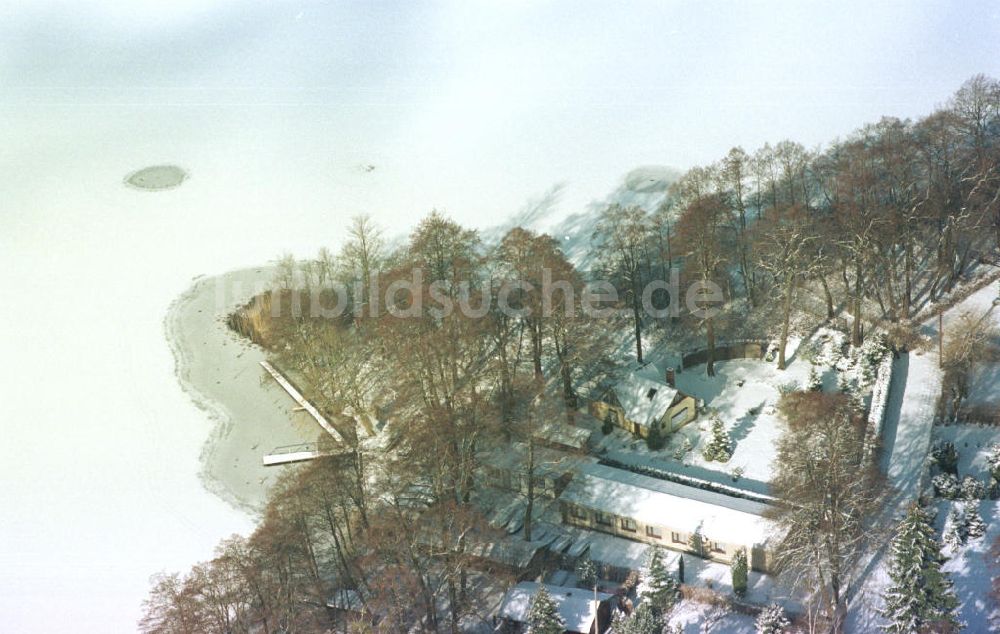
(641, 621)
(658, 587)
(586, 571)
(739, 570)
(974, 526)
(772, 620)
(993, 460)
(954, 530)
(920, 594)
(655, 439)
(543, 617)
(814, 383)
(719, 446)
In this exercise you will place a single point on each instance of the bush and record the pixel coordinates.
(946, 486)
(608, 425)
(772, 620)
(972, 489)
(946, 457)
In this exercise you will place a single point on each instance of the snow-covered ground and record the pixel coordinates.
(696, 618)
(743, 395)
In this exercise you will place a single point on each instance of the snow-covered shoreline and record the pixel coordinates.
(221, 374)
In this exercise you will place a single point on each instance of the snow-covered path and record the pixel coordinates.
(909, 421)
(916, 382)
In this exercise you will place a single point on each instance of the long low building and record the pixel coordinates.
(676, 516)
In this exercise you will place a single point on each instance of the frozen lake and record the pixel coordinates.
(289, 118)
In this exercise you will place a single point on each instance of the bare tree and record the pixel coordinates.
(828, 492)
(621, 237)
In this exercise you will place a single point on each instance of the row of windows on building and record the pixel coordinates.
(630, 526)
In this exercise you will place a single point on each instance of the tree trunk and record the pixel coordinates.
(637, 321)
(858, 298)
(536, 348)
(710, 335)
(828, 295)
(786, 315)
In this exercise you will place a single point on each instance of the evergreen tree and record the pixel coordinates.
(655, 439)
(772, 620)
(608, 425)
(974, 526)
(680, 569)
(641, 621)
(739, 569)
(720, 446)
(543, 617)
(814, 383)
(920, 593)
(954, 530)
(658, 587)
(586, 571)
(993, 460)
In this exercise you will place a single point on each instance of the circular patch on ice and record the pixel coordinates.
(156, 177)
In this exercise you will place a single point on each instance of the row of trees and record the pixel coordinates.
(896, 212)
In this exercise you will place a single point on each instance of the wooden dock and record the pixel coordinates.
(303, 403)
(299, 453)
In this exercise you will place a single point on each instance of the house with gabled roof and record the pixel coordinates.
(639, 401)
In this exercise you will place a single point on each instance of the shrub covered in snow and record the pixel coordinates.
(684, 448)
(737, 473)
(946, 486)
(772, 620)
(973, 489)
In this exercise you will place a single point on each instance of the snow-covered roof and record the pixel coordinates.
(621, 552)
(661, 503)
(564, 434)
(644, 400)
(575, 605)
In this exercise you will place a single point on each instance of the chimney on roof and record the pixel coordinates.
(671, 377)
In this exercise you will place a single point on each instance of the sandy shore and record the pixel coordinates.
(221, 373)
